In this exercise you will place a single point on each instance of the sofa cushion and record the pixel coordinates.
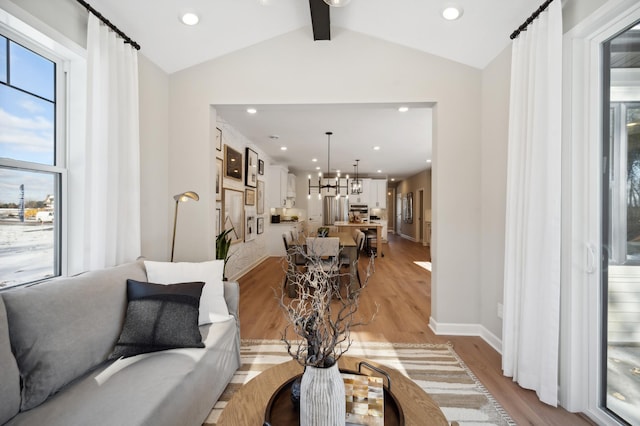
(174, 387)
(213, 307)
(62, 328)
(159, 317)
(9, 375)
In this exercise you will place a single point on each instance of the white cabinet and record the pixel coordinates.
(277, 185)
(291, 186)
(378, 194)
(363, 197)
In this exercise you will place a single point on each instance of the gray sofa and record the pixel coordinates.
(55, 338)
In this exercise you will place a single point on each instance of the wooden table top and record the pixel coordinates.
(346, 239)
(340, 224)
(248, 405)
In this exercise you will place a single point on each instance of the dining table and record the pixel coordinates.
(348, 247)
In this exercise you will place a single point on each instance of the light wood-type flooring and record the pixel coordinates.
(403, 292)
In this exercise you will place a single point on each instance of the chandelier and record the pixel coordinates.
(330, 185)
(356, 184)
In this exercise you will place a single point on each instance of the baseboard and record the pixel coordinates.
(246, 270)
(408, 237)
(452, 329)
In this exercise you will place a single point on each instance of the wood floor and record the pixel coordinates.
(403, 292)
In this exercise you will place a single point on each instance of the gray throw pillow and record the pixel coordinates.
(159, 317)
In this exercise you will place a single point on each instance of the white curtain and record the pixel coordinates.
(531, 320)
(112, 151)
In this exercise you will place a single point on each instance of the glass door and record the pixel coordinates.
(620, 279)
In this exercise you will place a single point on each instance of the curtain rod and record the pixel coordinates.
(529, 20)
(108, 23)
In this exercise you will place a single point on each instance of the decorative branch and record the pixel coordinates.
(320, 316)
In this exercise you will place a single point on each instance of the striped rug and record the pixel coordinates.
(435, 368)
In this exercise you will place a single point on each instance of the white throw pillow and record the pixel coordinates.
(213, 307)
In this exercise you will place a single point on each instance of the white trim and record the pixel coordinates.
(408, 237)
(248, 269)
(453, 329)
(580, 323)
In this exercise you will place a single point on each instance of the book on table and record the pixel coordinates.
(365, 400)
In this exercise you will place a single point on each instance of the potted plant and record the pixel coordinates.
(223, 243)
(320, 319)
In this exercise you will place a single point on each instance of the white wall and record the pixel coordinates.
(496, 79)
(574, 11)
(243, 255)
(293, 69)
(155, 203)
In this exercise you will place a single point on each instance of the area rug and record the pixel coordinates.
(435, 368)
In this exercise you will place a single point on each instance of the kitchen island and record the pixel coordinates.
(348, 226)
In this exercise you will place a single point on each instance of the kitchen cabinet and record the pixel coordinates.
(378, 194)
(277, 187)
(291, 186)
(363, 197)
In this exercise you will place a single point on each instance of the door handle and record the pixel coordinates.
(591, 259)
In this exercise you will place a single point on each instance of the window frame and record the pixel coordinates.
(59, 167)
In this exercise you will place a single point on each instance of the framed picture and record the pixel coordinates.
(407, 208)
(260, 225)
(233, 208)
(218, 139)
(251, 169)
(249, 197)
(260, 197)
(218, 179)
(260, 167)
(233, 163)
(250, 224)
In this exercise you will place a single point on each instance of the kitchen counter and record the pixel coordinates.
(378, 227)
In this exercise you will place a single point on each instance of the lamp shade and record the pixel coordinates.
(185, 196)
(337, 3)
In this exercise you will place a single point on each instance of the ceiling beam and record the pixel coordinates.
(320, 20)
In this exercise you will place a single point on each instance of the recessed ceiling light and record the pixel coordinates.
(393, 179)
(317, 167)
(403, 109)
(376, 148)
(428, 161)
(315, 160)
(190, 18)
(379, 171)
(283, 148)
(451, 12)
(252, 110)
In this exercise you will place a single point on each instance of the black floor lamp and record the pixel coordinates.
(180, 198)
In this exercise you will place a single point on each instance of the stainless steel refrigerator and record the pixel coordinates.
(334, 209)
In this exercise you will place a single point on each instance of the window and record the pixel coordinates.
(32, 164)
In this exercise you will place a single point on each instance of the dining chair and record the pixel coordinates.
(291, 251)
(326, 250)
(360, 237)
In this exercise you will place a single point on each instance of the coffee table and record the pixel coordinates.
(248, 405)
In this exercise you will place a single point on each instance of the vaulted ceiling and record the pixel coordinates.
(229, 25)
